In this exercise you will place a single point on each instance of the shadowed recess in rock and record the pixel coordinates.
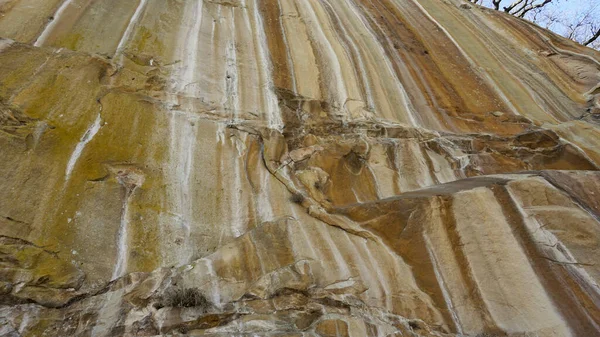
(295, 168)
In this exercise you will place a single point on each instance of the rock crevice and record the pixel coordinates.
(295, 168)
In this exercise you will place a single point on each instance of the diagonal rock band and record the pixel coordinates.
(295, 168)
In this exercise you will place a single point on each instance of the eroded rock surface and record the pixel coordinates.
(295, 168)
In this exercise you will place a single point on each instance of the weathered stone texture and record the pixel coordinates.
(295, 168)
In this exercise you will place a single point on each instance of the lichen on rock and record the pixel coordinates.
(295, 168)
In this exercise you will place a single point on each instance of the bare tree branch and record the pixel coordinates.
(516, 3)
(593, 38)
(581, 25)
(525, 10)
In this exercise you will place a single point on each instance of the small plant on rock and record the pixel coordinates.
(185, 298)
(485, 334)
(297, 198)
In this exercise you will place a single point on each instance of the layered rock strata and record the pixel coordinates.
(295, 168)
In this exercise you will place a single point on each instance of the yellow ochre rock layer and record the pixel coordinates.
(306, 168)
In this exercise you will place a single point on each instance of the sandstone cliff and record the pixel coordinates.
(295, 168)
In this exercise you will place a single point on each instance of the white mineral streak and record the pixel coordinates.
(50, 26)
(270, 100)
(186, 133)
(459, 263)
(183, 135)
(287, 47)
(225, 207)
(304, 245)
(264, 202)
(24, 323)
(213, 29)
(183, 128)
(337, 84)
(215, 291)
(341, 271)
(381, 275)
(408, 108)
(578, 148)
(378, 192)
(231, 97)
(238, 207)
(356, 197)
(123, 238)
(559, 251)
(404, 184)
(5, 43)
(129, 30)
(85, 139)
(189, 41)
(35, 73)
(361, 64)
(249, 71)
(442, 283)
(221, 127)
(411, 113)
(302, 54)
(368, 273)
(108, 314)
(484, 75)
(484, 227)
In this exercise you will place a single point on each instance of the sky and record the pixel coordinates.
(573, 8)
(575, 4)
(567, 11)
(566, 5)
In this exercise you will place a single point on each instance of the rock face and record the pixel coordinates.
(295, 168)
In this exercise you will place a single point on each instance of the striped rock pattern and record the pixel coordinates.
(295, 168)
